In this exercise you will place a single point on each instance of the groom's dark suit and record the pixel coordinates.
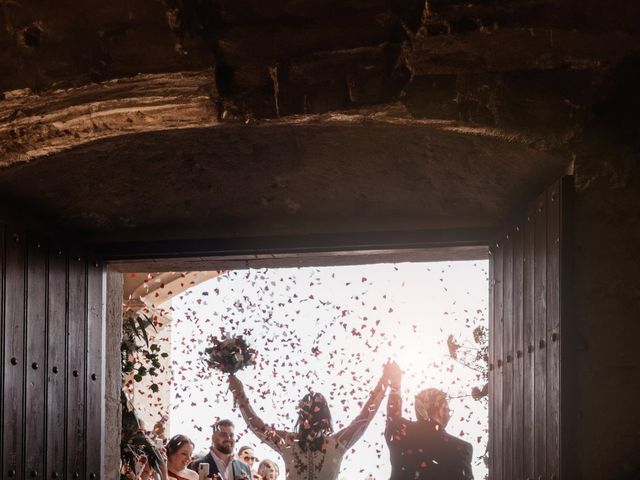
(241, 471)
(423, 449)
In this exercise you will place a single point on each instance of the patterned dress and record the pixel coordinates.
(322, 464)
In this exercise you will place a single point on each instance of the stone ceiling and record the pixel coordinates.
(338, 175)
(201, 118)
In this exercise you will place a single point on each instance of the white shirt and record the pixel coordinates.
(225, 469)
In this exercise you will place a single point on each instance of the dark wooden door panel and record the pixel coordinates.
(498, 386)
(3, 359)
(507, 347)
(492, 367)
(51, 321)
(76, 341)
(96, 326)
(554, 234)
(36, 351)
(525, 342)
(57, 361)
(518, 353)
(15, 354)
(529, 346)
(540, 329)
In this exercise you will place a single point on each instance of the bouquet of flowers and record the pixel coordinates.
(230, 355)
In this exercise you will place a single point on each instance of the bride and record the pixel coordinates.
(313, 451)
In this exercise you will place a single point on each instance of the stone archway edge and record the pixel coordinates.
(34, 125)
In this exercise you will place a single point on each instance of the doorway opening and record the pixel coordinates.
(330, 328)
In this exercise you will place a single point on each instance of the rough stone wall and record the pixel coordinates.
(537, 67)
(606, 291)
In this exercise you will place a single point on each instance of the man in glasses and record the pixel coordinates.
(220, 458)
(423, 449)
(247, 456)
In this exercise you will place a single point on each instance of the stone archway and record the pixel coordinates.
(150, 294)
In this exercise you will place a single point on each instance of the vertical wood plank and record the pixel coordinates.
(35, 358)
(499, 364)
(518, 349)
(567, 344)
(554, 201)
(492, 362)
(56, 361)
(540, 328)
(95, 373)
(507, 348)
(75, 441)
(529, 346)
(3, 359)
(15, 354)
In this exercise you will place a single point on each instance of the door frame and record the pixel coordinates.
(327, 250)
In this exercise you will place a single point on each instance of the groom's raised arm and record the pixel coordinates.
(394, 405)
(268, 435)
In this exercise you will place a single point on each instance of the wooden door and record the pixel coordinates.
(525, 341)
(52, 327)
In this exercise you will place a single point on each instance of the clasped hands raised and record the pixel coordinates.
(392, 374)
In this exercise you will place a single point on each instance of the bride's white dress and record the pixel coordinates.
(323, 464)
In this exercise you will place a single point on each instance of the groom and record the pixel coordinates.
(220, 457)
(423, 449)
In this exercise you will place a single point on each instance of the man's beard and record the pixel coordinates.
(226, 449)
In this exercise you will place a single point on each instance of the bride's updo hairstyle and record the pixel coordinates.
(314, 421)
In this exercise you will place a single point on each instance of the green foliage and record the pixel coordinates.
(139, 359)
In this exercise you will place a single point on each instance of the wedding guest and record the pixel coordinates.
(148, 473)
(312, 451)
(423, 449)
(268, 469)
(220, 458)
(246, 455)
(179, 454)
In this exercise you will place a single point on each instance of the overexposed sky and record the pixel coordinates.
(330, 329)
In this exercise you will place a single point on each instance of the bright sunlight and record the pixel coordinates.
(332, 329)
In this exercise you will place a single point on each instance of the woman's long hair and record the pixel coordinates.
(314, 421)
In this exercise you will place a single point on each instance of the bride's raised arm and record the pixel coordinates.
(273, 438)
(349, 435)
